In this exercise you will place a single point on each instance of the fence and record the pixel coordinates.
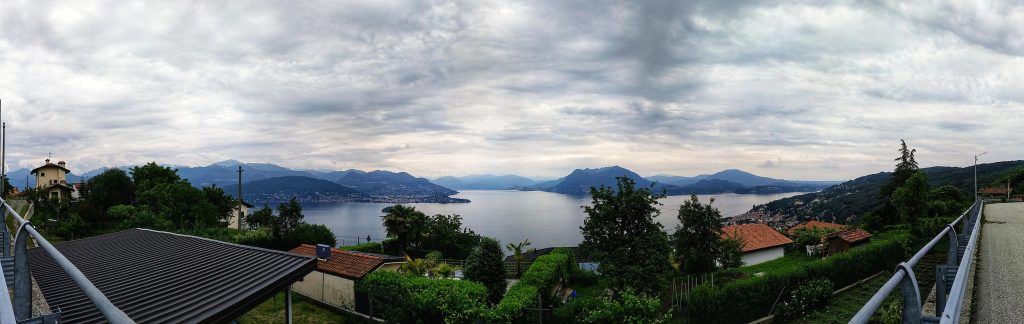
(679, 290)
(951, 278)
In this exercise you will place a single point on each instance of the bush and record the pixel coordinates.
(514, 304)
(809, 296)
(399, 298)
(719, 304)
(629, 307)
(486, 265)
(583, 277)
(547, 271)
(312, 234)
(365, 247)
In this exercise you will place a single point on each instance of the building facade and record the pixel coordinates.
(52, 180)
(334, 281)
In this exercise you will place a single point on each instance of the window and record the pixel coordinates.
(42, 174)
(54, 195)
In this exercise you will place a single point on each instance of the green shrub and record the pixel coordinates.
(547, 271)
(629, 307)
(809, 296)
(719, 304)
(485, 265)
(401, 299)
(584, 277)
(365, 247)
(514, 304)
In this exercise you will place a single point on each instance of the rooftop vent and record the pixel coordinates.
(323, 252)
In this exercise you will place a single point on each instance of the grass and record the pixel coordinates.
(303, 311)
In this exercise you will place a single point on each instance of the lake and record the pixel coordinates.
(545, 218)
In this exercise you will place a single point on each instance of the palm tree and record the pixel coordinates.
(517, 251)
(405, 224)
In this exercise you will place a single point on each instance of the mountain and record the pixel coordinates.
(727, 181)
(386, 183)
(581, 180)
(305, 189)
(744, 178)
(848, 201)
(332, 175)
(677, 180)
(484, 182)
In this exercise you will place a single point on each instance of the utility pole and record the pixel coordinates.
(240, 214)
(976, 174)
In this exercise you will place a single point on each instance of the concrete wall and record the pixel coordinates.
(329, 289)
(762, 256)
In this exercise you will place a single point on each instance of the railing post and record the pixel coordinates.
(911, 295)
(22, 275)
(940, 289)
(6, 234)
(954, 244)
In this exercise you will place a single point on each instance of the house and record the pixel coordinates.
(761, 243)
(811, 224)
(52, 180)
(845, 240)
(237, 217)
(337, 272)
(995, 191)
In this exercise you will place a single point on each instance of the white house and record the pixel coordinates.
(761, 243)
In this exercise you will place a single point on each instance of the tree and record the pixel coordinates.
(905, 167)
(150, 174)
(517, 253)
(312, 234)
(730, 252)
(223, 205)
(128, 216)
(8, 188)
(289, 215)
(445, 234)
(911, 200)
(697, 236)
(261, 218)
(620, 233)
(405, 224)
(486, 265)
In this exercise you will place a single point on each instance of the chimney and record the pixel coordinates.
(61, 163)
(47, 161)
(323, 252)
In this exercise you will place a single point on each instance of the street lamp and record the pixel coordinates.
(976, 174)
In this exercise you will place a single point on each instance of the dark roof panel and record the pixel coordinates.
(163, 277)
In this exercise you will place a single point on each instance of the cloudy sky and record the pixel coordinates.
(801, 90)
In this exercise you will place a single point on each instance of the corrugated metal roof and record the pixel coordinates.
(159, 277)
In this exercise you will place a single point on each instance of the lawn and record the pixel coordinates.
(793, 259)
(303, 311)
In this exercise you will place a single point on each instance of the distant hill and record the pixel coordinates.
(743, 178)
(386, 183)
(728, 181)
(677, 180)
(305, 189)
(848, 201)
(484, 182)
(581, 180)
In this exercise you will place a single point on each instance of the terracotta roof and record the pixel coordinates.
(50, 165)
(756, 236)
(813, 224)
(993, 191)
(347, 264)
(853, 235)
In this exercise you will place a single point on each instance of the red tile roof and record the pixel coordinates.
(347, 264)
(756, 236)
(993, 191)
(853, 235)
(814, 224)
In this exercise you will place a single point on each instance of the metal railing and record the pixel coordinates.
(21, 308)
(958, 261)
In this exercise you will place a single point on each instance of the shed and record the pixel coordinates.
(845, 240)
(761, 243)
(334, 280)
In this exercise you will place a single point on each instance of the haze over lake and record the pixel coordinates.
(546, 219)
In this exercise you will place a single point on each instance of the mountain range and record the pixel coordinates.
(728, 181)
(848, 201)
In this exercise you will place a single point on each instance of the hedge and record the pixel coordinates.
(542, 276)
(399, 298)
(747, 299)
(547, 271)
(370, 247)
(513, 305)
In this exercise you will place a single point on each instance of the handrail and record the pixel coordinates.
(111, 312)
(6, 307)
(954, 305)
(904, 276)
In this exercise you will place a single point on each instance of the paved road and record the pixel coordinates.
(999, 285)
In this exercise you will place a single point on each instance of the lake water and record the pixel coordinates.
(546, 219)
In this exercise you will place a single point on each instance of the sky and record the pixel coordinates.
(796, 90)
